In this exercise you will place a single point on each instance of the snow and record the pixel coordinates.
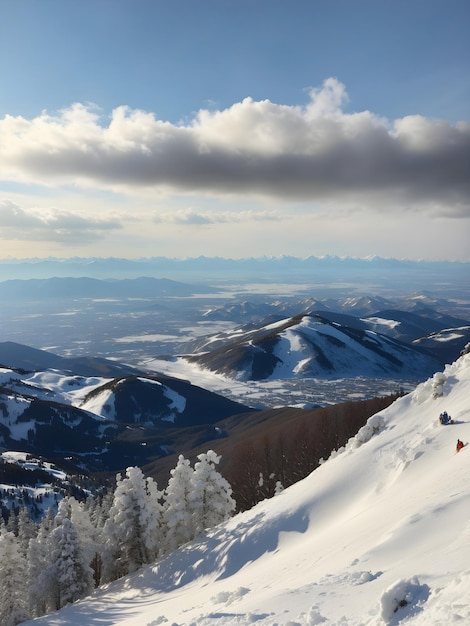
(378, 534)
(101, 403)
(153, 337)
(43, 384)
(381, 321)
(27, 461)
(16, 407)
(178, 402)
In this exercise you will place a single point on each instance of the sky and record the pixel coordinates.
(235, 128)
(346, 546)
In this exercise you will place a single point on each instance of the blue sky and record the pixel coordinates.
(235, 128)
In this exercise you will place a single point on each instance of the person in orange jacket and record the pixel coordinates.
(459, 445)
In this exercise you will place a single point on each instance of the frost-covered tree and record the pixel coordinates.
(177, 512)
(41, 596)
(27, 530)
(13, 602)
(132, 530)
(72, 576)
(12, 523)
(89, 534)
(98, 508)
(210, 499)
(152, 521)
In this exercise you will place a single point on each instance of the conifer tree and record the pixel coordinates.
(13, 603)
(27, 530)
(89, 534)
(132, 529)
(152, 521)
(41, 596)
(177, 511)
(72, 576)
(211, 498)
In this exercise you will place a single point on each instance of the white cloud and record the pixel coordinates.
(192, 217)
(50, 225)
(310, 153)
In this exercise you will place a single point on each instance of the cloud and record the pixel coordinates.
(253, 148)
(191, 217)
(51, 225)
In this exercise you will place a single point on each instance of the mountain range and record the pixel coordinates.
(136, 415)
(114, 266)
(95, 422)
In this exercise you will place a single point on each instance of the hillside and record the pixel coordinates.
(312, 346)
(378, 534)
(98, 423)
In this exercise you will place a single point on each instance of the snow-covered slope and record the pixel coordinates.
(312, 346)
(382, 526)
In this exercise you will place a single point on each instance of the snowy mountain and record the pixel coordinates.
(312, 346)
(444, 343)
(378, 534)
(99, 423)
(18, 356)
(36, 484)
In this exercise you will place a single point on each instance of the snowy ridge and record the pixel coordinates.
(378, 534)
(312, 346)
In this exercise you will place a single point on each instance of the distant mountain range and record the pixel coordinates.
(271, 267)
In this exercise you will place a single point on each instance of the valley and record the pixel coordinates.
(143, 368)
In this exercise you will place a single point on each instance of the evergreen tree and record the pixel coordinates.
(152, 521)
(177, 511)
(13, 604)
(211, 498)
(41, 596)
(27, 530)
(132, 529)
(89, 534)
(72, 576)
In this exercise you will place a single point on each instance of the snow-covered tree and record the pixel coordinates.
(132, 530)
(98, 508)
(152, 521)
(211, 498)
(178, 519)
(12, 524)
(72, 576)
(13, 600)
(27, 530)
(89, 534)
(41, 597)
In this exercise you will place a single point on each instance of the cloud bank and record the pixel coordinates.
(17, 223)
(306, 153)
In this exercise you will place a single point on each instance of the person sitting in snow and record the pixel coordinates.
(459, 445)
(444, 418)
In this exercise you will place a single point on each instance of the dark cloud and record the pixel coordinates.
(310, 153)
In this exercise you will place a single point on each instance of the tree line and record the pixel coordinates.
(282, 455)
